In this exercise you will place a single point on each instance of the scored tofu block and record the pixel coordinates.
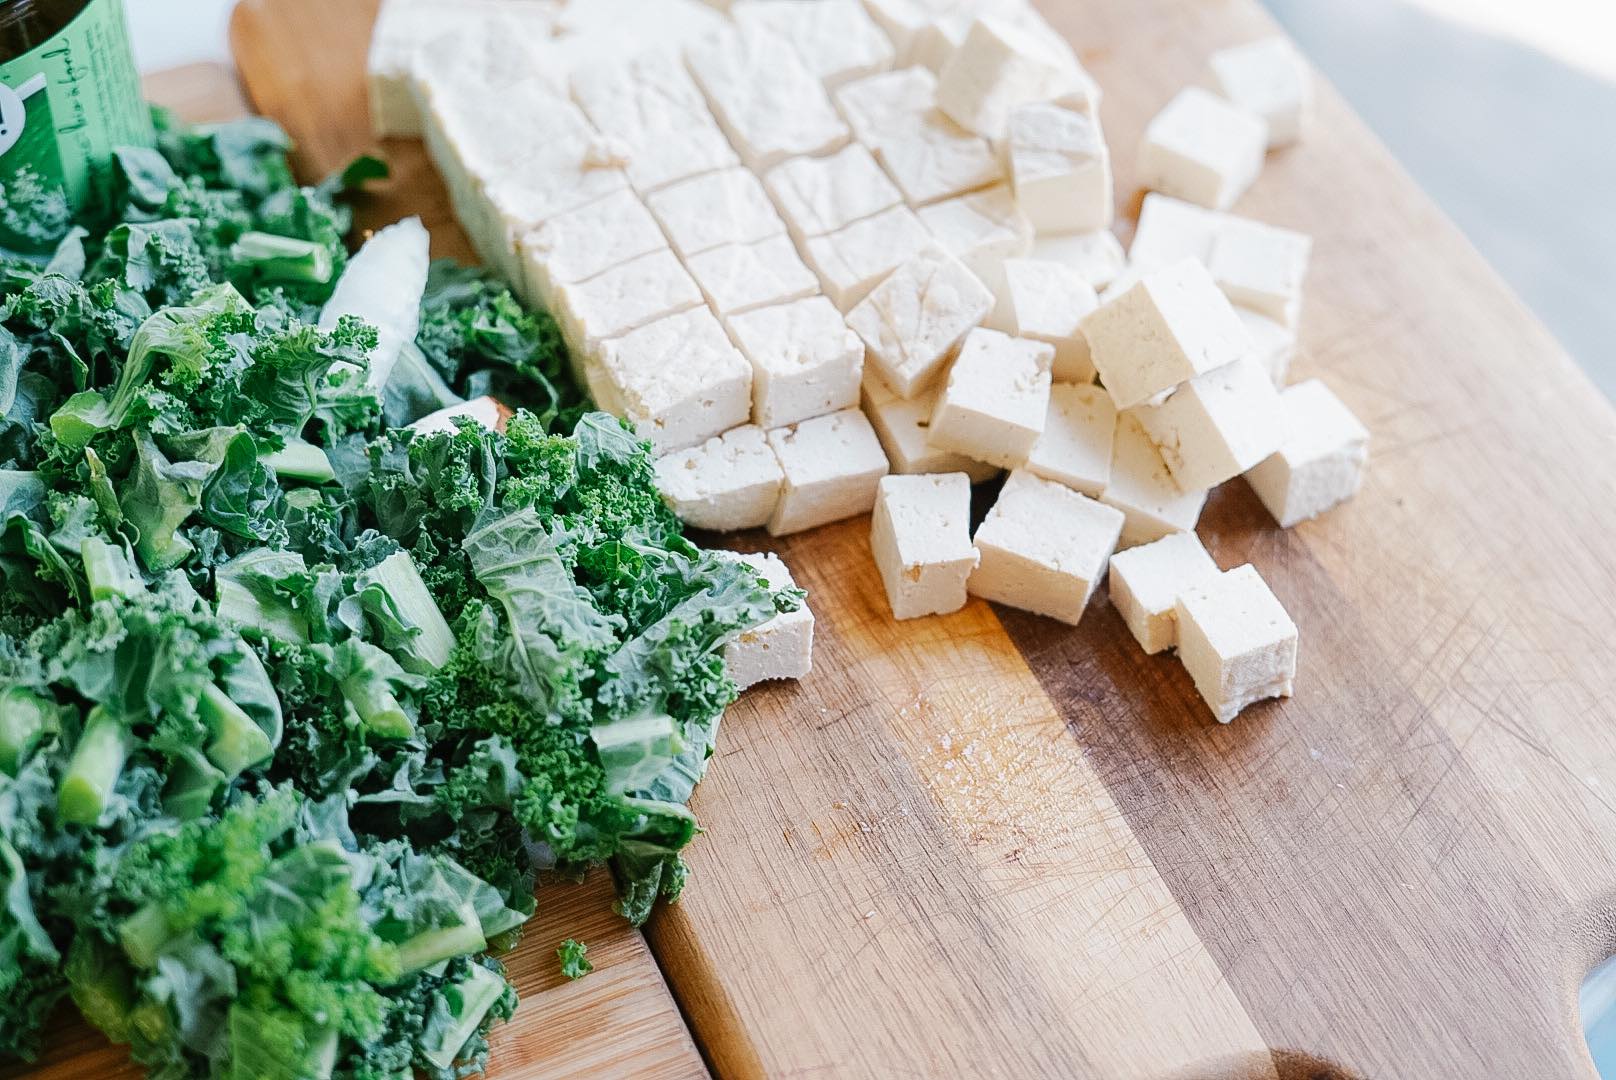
(904, 426)
(713, 209)
(1202, 149)
(920, 533)
(835, 38)
(914, 320)
(1261, 267)
(805, 361)
(888, 105)
(1319, 463)
(1061, 169)
(1171, 230)
(820, 195)
(1145, 584)
(624, 298)
(1143, 489)
(783, 647)
(1269, 78)
(740, 277)
(1079, 432)
(981, 230)
(853, 260)
(1044, 548)
(935, 158)
(994, 402)
(1273, 343)
(832, 465)
(411, 37)
(679, 381)
(998, 67)
(1217, 425)
(1046, 301)
(587, 241)
(1096, 256)
(1171, 325)
(1236, 641)
(732, 481)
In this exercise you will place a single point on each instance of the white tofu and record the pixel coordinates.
(1172, 325)
(836, 39)
(1261, 267)
(889, 105)
(730, 482)
(1320, 462)
(1236, 641)
(1217, 425)
(766, 100)
(1270, 78)
(832, 466)
(1044, 548)
(853, 260)
(1145, 583)
(1202, 149)
(904, 20)
(904, 427)
(740, 277)
(1171, 230)
(587, 241)
(1061, 169)
(997, 68)
(1046, 301)
(624, 298)
(1095, 256)
(1075, 446)
(1273, 343)
(679, 381)
(805, 361)
(597, 33)
(936, 159)
(783, 647)
(1143, 489)
(914, 320)
(713, 209)
(994, 401)
(920, 534)
(981, 230)
(820, 195)
(485, 410)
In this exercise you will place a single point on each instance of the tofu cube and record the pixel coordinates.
(994, 402)
(820, 195)
(1079, 433)
(1146, 582)
(714, 209)
(998, 67)
(853, 260)
(1096, 256)
(1270, 78)
(904, 427)
(581, 243)
(732, 481)
(1141, 487)
(1202, 149)
(1046, 301)
(740, 277)
(914, 320)
(1217, 425)
(1061, 169)
(1044, 548)
(981, 230)
(1320, 461)
(920, 533)
(1171, 325)
(622, 299)
(835, 38)
(886, 106)
(783, 647)
(935, 158)
(832, 465)
(679, 381)
(1236, 641)
(1171, 230)
(805, 361)
(1273, 343)
(1261, 267)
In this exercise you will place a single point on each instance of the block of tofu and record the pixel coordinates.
(678, 380)
(1061, 169)
(836, 39)
(920, 533)
(853, 260)
(1145, 583)
(581, 243)
(1273, 343)
(1095, 256)
(937, 159)
(832, 466)
(1044, 548)
(740, 277)
(914, 321)
(1217, 425)
(764, 97)
(1171, 230)
(1046, 301)
(805, 361)
(488, 411)
(1236, 641)
(1269, 78)
(1261, 267)
(596, 33)
(732, 481)
(997, 68)
(888, 105)
(534, 135)
(1075, 446)
(1202, 149)
(713, 209)
(624, 298)
(981, 230)
(1320, 461)
(995, 398)
(1141, 487)
(904, 426)
(820, 195)
(1171, 325)
(904, 20)
(783, 647)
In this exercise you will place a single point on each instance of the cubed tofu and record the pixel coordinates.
(624, 298)
(1171, 325)
(1046, 301)
(1270, 78)
(581, 243)
(903, 20)
(820, 195)
(739, 277)
(1171, 230)
(1095, 256)
(713, 209)
(886, 106)
(1044, 548)
(1261, 267)
(679, 381)
(994, 401)
(1273, 343)
(805, 361)
(914, 320)
(920, 533)
(1079, 433)
(832, 466)
(1145, 583)
(1320, 461)
(1217, 425)
(732, 481)
(1061, 169)
(1202, 149)
(904, 427)
(981, 230)
(1236, 641)
(534, 135)
(853, 260)
(408, 34)
(783, 647)
(836, 39)
(937, 159)
(1141, 487)
(997, 68)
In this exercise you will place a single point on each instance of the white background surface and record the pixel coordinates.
(168, 33)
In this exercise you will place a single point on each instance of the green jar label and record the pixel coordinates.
(64, 105)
